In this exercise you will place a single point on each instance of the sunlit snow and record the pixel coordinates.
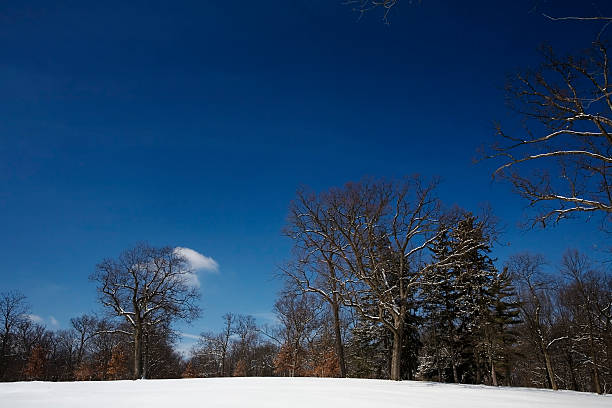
(285, 392)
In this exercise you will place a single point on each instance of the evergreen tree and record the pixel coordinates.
(498, 334)
(457, 291)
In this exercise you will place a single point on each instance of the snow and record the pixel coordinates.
(285, 392)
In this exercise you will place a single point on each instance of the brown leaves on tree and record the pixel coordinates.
(189, 371)
(35, 367)
(118, 365)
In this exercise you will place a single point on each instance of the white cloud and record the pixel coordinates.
(198, 263)
(190, 336)
(35, 318)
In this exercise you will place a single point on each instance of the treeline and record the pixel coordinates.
(90, 349)
(143, 292)
(388, 284)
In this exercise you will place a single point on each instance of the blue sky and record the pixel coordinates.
(192, 124)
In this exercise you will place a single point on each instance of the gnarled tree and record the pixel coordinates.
(148, 287)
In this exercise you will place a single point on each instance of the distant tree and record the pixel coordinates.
(241, 369)
(84, 372)
(217, 345)
(101, 346)
(224, 341)
(536, 291)
(13, 312)
(147, 287)
(86, 327)
(300, 318)
(189, 371)
(35, 367)
(591, 311)
(118, 366)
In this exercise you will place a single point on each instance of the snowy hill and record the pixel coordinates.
(284, 392)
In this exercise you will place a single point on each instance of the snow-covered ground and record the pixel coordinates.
(286, 393)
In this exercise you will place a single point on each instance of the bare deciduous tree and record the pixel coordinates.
(387, 6)
(300, 319)
(375, 232)
(86, 327)
(562, 163)
(315, 270)
(147, 287)
(535, 291)
(587, 287)
(13, 311)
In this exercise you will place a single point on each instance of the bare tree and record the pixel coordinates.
(216, 346)
(562, 162)
(247, 338)
(379, 231)
(387, 6)
(315, 270)
(13, 311)
(224, 341)
(148, 287)
(364, 6)
(86, 327)
(593, 305)
(535, 291)
(300, 319)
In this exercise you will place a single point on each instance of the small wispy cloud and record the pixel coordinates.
(198, 263)
(189, 336)
(35, 318)
(267, 317)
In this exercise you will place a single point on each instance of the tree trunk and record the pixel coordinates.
(3, 359)
(145, 355)
(223, 369)
(508, 370)
(493, 375)
(596, 381)
(338, 337)
(549, 369)
(455, 376)
(336, 312)
(396, 356)
(570, 364)
(137, 353)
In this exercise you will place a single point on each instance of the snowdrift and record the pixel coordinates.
(286, 393)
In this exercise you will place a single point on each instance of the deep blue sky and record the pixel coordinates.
(193, 123)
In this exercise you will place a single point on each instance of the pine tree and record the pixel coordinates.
(440, 299)
(457, 296)
(499, 332)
